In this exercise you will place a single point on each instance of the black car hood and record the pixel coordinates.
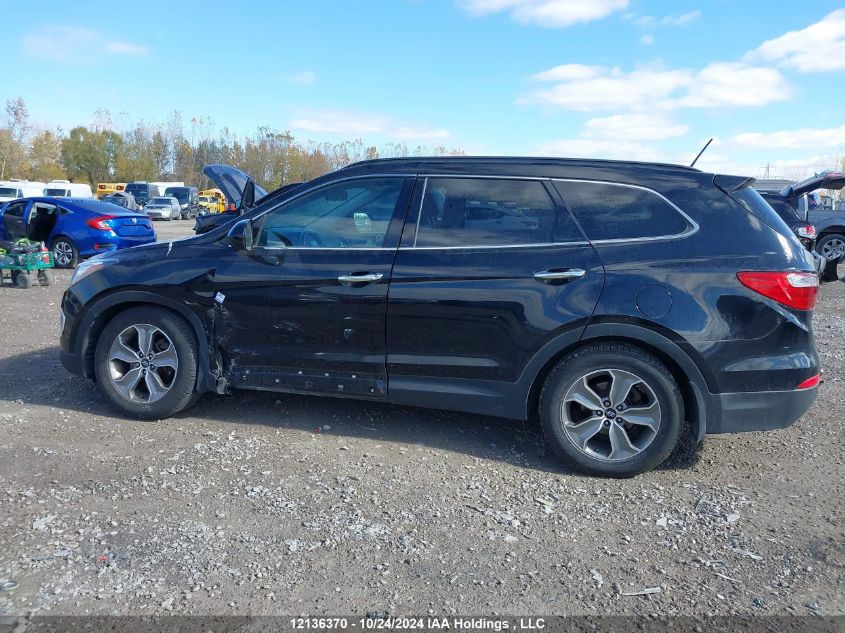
(824, 180)
(232, 181)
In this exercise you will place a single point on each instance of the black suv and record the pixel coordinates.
(609, 298)
(189, 200)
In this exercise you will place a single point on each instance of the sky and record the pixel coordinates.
(623, 79)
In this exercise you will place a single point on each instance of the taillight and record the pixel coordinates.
(808, 230)
(810, 382)
(794, 290)
(99, 223)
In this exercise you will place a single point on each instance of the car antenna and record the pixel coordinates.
(706, 145)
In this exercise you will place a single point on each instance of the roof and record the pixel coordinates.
(426, 161)
(85, 204)
(591, 169)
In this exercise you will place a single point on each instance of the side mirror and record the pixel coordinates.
(240, 236)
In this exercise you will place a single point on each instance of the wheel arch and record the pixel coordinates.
(107, 308)
(692, 383)
(833, 229)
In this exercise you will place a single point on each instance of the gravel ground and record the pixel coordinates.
(271, 504)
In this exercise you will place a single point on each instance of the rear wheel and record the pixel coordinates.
(611, 409)
(65, 253)
(146, 362)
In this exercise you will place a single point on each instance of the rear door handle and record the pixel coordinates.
(560, 276)
(361, 278)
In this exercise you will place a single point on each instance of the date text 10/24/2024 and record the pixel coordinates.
(427, 623)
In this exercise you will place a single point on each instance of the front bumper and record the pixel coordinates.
(757, 410)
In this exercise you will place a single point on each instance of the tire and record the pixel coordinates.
(651, 391)
(834, 244)
(139, 388)
(45, 277)
(23, 281)
(65, 252)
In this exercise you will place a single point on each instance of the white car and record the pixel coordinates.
(163, 208)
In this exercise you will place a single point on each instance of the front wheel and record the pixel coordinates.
(146, 363)
(611, 409)
(65, 253)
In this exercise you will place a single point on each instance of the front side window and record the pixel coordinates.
(349, 214)
(467, 212)
(617, 212)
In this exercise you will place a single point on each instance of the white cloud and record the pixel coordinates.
(67, 44)
(804, 138)
(546, 13)
(614, 89)
(569, 72)
(648, 40)
(357, 124)
(723, 84)
(598, 148)
(819, 47)
(304, 78)
(714, 86)
(634, 127)
(650, 21)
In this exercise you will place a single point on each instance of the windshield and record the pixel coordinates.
(8, 192)
(181, 194)
(55, 192)
(139, 191)
(119, 200)
(163, 201)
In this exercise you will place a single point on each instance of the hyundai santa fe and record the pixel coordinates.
(620, 303)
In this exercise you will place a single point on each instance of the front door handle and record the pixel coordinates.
(362, 278)
(559, 276)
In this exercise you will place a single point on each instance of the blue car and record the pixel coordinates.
(74, 228)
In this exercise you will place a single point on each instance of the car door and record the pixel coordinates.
(489, 271)
(304, 310)
(15, 220)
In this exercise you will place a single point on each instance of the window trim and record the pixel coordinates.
(693, 225)
(540, 179)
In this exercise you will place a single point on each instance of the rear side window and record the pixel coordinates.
(754, 203)
(618, 212)
(466, 212)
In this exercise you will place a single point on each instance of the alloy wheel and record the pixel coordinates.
(62, 253)
(611, 414)
(142, 363)
(833, 249)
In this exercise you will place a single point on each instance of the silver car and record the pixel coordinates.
(164, 208)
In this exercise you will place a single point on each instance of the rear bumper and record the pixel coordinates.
(758, 410)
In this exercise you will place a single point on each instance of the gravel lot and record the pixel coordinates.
(272, 504)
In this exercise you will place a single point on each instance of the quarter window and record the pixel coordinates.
(489, 212)
(348, 214)
(617, 212)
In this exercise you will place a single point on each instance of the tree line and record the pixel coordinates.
(114, 151)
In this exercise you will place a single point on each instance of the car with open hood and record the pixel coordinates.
(819, 228)
(240, 190)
